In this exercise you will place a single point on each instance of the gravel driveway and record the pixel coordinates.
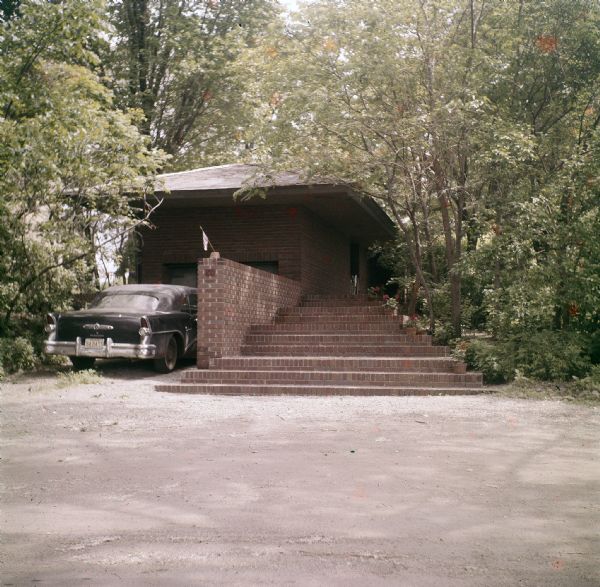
(116, 484)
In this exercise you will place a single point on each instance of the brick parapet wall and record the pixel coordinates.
(232, 297)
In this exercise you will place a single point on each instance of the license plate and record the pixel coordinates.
(94, 343)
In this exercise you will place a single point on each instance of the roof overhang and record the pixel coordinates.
(359, 218)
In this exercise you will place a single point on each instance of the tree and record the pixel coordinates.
(453, 114)
(541, 196)
(69, 161)
(172, 59)
(8, 8)
(382, 96)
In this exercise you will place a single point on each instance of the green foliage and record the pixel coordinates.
(544, 355)
(589, 385)
(594, 347)
(490, 359)
(69, 160)
(477, 126)
(83, 377)
(549, 355)
(16, 354)
(175, 62)
(443, 333)
(8, 9)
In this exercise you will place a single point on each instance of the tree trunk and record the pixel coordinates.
(412, 298)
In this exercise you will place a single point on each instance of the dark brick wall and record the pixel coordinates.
(306, 249)
(231, 297)
(325, 256)
(241, 233)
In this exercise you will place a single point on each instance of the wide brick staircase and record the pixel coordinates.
(333, 346)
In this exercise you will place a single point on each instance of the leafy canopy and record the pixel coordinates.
(68, 157)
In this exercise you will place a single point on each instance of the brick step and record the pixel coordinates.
(228, 389)
(358, 320)
(382, 364)
(325, 304)
(327, 327)
(333, 302)
(353, 378)
(345, 338)
(338, 299)
(349, 350)
(357, 310)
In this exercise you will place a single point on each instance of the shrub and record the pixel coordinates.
(589, 385)
(490, 359)
(443, 333)
(594, 348)
(17, 354)
(84, 377)
(550, 355)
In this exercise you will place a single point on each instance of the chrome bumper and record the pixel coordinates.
(109, 350)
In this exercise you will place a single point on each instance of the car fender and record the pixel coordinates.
(161, 340)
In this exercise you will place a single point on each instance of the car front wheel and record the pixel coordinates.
(167, 363)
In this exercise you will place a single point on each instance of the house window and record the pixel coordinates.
(182, 274)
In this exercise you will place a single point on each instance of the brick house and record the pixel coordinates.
(315, 234)
(299, 239)
(276, 313)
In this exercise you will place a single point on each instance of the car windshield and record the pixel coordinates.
(131, 301)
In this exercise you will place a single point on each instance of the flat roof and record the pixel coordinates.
(230, 177)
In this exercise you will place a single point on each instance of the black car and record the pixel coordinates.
(157, 322)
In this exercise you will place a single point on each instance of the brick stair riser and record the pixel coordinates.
(357, 320)
(210, 389)
(336, 311)
(344, 350)
(359, 298)
(333, 378)
(327, 306)
(327, 328)
(399, 339)
(334, 364)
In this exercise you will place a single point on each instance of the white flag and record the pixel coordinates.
(205, 240)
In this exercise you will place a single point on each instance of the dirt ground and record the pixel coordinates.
(116, 484)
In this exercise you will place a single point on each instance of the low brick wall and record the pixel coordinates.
(231, 297)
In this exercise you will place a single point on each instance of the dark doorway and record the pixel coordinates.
(379, 275)
(182, 274)
(354, 259)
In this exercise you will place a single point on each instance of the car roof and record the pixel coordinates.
(168, 295)
(159, 290)
(149, 288)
